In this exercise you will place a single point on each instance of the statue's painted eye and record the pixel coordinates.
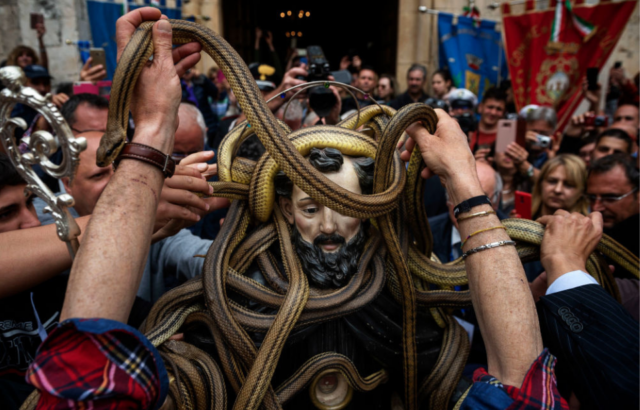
(310, 210)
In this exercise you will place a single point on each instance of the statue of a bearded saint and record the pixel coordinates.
(330, 247)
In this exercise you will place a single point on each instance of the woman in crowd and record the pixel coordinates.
(23, 56)
(387, 88)
(512, 181)
(442, 84)
(560, 186)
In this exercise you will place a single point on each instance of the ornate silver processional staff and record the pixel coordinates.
(41, 145)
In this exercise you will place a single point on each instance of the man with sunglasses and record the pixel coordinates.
(612, 189)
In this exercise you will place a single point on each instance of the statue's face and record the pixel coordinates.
(318, 224)
(327, 243)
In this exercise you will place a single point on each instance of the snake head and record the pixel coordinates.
(109, 149)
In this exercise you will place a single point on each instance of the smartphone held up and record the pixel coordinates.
(510, 131)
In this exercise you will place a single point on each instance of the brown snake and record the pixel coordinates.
(405, 262)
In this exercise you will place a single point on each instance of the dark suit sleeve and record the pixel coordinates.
(596, 343)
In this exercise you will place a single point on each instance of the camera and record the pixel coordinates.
(436, 103)
(321, 100)
(596, 121)
(467, 122)
(542, 141)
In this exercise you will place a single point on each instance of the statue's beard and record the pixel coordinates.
(326, 269)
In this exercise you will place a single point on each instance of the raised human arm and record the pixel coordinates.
(44, 59)
(32, 256)
(108, 268)
(499, 289)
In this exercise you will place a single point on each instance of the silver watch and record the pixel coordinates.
(530, 171)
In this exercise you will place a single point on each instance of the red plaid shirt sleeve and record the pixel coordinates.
(99, 364)
(538, 391)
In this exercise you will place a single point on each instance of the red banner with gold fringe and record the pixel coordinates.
(548, 56)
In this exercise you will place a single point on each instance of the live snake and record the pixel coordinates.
(404, 264)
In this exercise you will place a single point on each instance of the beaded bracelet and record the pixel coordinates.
(483, 213)
(487, 246)
(480, 231)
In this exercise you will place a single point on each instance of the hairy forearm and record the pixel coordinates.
(32, 256)
(107, 270)
(500, 293)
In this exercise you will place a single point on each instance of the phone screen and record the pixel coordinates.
(98, 57)
(523, 204)
(507, 130)
(510, 131)
(35, 19)
(592, 78)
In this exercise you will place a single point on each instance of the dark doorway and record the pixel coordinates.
(338, 26)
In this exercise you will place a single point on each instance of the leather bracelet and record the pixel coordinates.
(149, 155)
(465, 206)
(487, 246)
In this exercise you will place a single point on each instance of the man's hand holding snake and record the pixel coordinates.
(157, 94)
(569, 239)
(447, 154)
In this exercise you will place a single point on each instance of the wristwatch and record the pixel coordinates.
(530, 171)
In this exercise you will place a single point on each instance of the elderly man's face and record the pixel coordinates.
(613, 183)
(415, 82)
(90, 179)
(314, 220)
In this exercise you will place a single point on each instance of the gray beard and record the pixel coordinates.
(324, 269)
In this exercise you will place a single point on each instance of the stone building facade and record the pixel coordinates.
(417, 32)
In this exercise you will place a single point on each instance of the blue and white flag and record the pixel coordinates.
(474, 55)
(103, 15)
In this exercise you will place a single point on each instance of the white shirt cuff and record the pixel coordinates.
(571, 280)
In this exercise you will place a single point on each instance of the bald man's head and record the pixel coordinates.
(487, 177)
(191, 132)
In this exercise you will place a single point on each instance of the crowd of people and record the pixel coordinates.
(583, 183)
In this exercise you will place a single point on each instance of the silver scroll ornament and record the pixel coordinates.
(40, 146)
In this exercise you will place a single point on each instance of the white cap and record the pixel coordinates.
(464, 95)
